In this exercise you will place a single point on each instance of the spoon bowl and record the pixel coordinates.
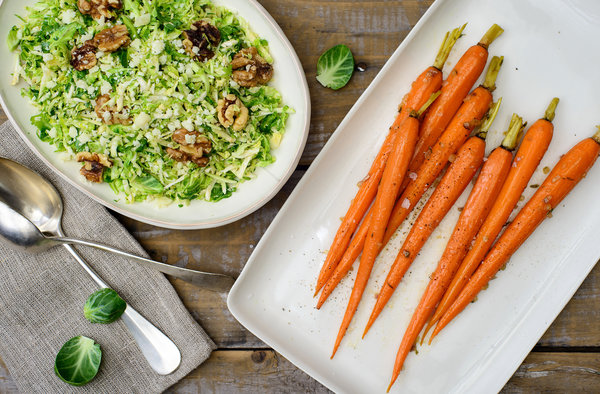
(18, 232)
(30, 194)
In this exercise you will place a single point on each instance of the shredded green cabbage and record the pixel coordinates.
(162, 88)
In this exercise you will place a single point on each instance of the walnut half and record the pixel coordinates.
(98, 8)
(108, 40)
(109, 113)
(201, 39)
(193, 147)
(112, 38)
(93, 165)
(232, 112)
(250, 69)
(84, 57)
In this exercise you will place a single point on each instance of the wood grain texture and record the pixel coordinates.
(556, 373)
(566, 358)
(247, 371)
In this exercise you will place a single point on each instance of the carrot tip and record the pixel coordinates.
(391, 384)
(322, 300)
(333, 353)
(425, 333)
(370, 322)
(337, 345)
(434, 333)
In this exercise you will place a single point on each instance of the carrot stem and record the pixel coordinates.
(596, 137)
(492, 73)
(549, 115)
(487, 123)
(449, 41)
(430, 101)
(513, 134)
(493, 32)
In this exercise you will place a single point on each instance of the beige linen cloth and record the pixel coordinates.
(42, 298)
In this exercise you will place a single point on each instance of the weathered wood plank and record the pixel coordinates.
(577, 325)
(247, 371)
(556, 373)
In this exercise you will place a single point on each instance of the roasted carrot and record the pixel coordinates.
(569, 170)
(468, 160)
(358, 207)
(455, 88)
(391, 180)
(422, 88)
(478, 204)
(470, 115)
(530, 153)
(351, 254)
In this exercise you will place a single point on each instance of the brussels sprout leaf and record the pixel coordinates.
(335, 67)
(77, 362)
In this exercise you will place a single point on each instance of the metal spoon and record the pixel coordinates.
(36, 199)
(25, 235)
(162, 354)
(28, 195)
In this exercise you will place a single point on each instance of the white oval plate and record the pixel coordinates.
(289, 79)
(548, 52)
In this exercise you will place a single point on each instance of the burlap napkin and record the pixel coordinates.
(42, 298)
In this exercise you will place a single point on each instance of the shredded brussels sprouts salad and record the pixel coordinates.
(155, 85)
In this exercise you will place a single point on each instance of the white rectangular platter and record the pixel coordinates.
(547, 53)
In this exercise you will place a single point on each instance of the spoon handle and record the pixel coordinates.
(160, 352)
(207, 280)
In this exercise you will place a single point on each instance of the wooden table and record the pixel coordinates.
(567, 357)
